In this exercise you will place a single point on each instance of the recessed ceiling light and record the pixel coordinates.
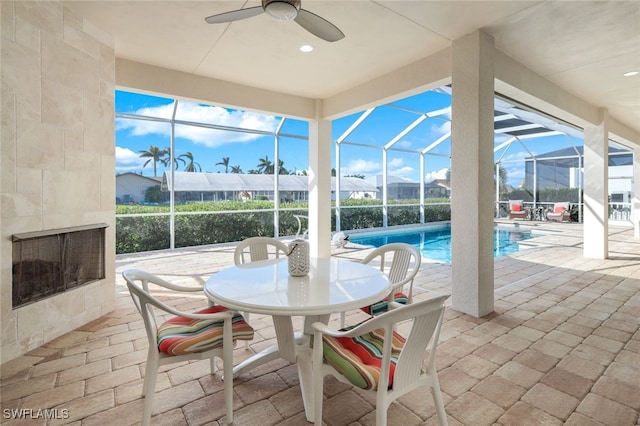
(306, 48)
(631, 73)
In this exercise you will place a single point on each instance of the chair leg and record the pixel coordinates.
(381, 416)
(149, 388)
(438, 402)
(150, 372)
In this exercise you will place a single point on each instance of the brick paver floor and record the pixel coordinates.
(562, 347)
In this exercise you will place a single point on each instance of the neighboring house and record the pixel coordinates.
(235, 186)
(131, 187)
(404, 189)
(438, 188)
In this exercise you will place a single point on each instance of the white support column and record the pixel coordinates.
(596, 192)
(422, 174)
(636, 192)
(320, 187)
(385, 189)
(472, 174)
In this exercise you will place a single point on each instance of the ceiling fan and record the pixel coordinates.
(284, 10)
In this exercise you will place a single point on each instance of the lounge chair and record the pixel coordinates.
(560, 212)
(517, 210)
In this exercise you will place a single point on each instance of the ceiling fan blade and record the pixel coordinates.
(234, 15)
(318, 26)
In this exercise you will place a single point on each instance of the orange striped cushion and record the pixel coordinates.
(179, 335)
(359, 358)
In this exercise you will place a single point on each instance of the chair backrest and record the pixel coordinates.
(399, 261)
(258, 248)
(514, 203)
(427, 321)
(564, 205)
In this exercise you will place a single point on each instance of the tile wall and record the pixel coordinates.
(57, 156)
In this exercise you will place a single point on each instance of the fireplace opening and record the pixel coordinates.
(47, 263)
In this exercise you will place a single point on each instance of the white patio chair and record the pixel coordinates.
(204, 334)
(253, 249)
(378, 359)
(300, 218)
(400, 262)
(258, 248)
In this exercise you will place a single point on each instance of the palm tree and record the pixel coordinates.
(281, 169)
(236, 169)
(167, 159)
(225, 163)
(191, 165)
(154, 154)
(265, 166)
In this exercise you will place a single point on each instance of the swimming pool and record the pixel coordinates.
(434, 242)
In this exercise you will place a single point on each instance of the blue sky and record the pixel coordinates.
(209, 146)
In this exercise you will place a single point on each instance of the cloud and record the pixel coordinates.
(443, 128)
(404, 144)
(518, 156)
(436, 174)
(515, 175)
(193, 112)
(395, 163)
(402, 172)
(128, 161)
(362, 167)
(498, 138)
(514, 166)
(396, 167)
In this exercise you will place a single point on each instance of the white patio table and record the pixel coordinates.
(265, 287)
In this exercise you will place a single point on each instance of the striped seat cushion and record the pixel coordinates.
(359, 359)
(180, 336)
(383, 305)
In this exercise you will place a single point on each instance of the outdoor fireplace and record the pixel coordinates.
(46, 263)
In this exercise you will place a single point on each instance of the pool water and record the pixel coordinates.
(435, 242)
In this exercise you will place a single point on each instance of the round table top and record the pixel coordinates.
(333, 285)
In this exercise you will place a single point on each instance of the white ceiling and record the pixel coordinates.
(583, 47)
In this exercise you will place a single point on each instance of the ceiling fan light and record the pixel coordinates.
(281, 10)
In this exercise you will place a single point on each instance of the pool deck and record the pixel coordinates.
(561, 347)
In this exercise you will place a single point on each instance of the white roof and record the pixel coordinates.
(210, 182)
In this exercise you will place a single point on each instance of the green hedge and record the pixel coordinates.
(135, 234)
(235, 221)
